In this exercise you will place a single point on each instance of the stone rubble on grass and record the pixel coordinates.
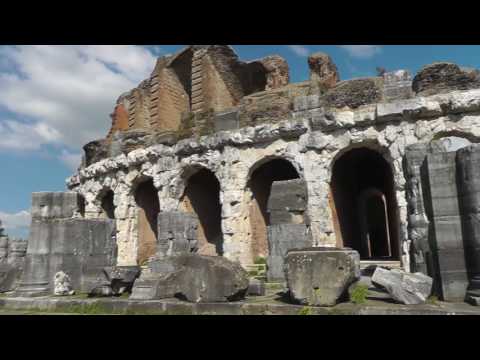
(63, 285)
(406, 288)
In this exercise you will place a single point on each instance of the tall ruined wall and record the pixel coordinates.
(184, 92)
(312, 140)
(310, 124)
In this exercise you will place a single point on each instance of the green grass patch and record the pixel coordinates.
(306, 310)
(359, 294)
(432, 300)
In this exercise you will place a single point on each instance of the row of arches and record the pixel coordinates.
(363, 204)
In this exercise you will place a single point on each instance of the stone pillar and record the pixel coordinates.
(468, 160)
(289, 225)
(61, 240)
(446, 239)
(177, 233)
(3, 244)
(418, 224)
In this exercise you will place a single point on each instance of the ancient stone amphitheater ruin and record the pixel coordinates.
(227, 158)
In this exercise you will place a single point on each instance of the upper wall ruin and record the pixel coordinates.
(204, 89)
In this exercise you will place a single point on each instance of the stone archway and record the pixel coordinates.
(202, 198)
(260, 185)
(365, 204)
(107, 205)
(148, 208)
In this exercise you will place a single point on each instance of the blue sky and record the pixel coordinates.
(54, 99)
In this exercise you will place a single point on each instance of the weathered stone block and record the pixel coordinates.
(410, 289)
(80, 248)
(225, 121)
(194, 278)
(286, 217)
(61, 205)
(281, 238)
(177, 233)
(256, 287)
(117, 281)
(290, 195)
(446, 239)
(8, 277)
(397, 85)
(320, 276)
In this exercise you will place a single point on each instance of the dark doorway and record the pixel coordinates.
(146, 197)
(365, 204)
(202, 197)
(108, 208)
(261, 184)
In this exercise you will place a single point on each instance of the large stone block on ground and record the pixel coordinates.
(406, 288)
(194, 278)
(281, 239)
(321, 276)
(79, 247)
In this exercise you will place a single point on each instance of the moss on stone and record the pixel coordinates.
(359, 293)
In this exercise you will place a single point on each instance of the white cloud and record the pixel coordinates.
(362, 51)
(72, 160)
(300, 50)
(19, 220)
(64, 94)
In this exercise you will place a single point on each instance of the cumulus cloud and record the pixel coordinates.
(15, 221)
(64, 94)
(300, 50)
(71, 160)
(362, 51)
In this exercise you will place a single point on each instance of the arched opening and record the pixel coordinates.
(108, 208)
(202, 197)
(260, 185)
(365, 205)
(146, 198)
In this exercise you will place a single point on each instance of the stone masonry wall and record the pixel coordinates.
(311, 138)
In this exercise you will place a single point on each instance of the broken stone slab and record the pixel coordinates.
(122, 278)
(256, 287)
(320, 276)
(373, 293)
(473, 300)
(406, 288)
(117, 281)
(191, 277)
